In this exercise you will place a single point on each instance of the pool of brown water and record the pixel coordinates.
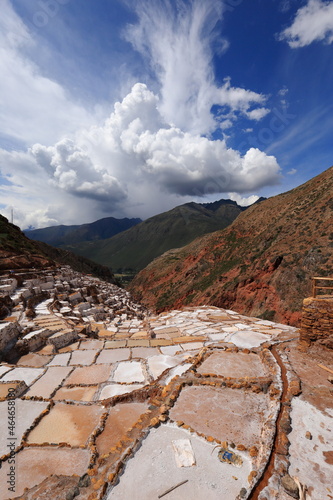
(71, 424)
(121, 418)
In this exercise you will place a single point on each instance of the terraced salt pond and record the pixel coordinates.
(232, 364)
(70, 424)
(25, 414)
(36, 464)
(160, 470)
(121, 418)
(132, 386)
(47, 384)
(228, 417)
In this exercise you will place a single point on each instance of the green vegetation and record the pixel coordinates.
(268, 315)
(12, 239)
(124, 277)
(28, 253)
(262, 264)
(166, 299)
(189, 299)
(217, 271)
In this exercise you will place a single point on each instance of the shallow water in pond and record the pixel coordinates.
(229, 415)
(121, 418)
(94, 374)
(76, 393)
(71, 424)
(33, 465)
(45, 386)
(232, 364)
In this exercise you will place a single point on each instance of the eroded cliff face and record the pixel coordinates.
(261, 265)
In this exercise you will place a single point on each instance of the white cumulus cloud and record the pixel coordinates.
(152, 152)
(243, 201)
(71, 169)
(135, 158)
(313, 22)
(139, 144)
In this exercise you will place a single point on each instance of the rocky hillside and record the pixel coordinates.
(19, 252)
(138, 246)
(261, 265)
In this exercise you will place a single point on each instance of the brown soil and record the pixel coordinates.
(328, 457)
(316, 388)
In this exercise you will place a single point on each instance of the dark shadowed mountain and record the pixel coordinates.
(59, 236)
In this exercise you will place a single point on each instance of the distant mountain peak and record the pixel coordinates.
(214, 205)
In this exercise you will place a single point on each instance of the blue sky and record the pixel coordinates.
(129, 108)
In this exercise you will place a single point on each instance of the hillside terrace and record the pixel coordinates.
(200, 402)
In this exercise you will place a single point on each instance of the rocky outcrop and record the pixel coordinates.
(9, 333)
(6, 305)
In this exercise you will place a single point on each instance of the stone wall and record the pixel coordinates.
(317, 322)
(63, 338)
(9, 333)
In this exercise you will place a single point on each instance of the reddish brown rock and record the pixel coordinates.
(253, 451)
(252, 475)
(282, 445)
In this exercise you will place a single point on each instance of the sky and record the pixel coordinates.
(128, 108)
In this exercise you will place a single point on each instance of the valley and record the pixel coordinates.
(166, 250)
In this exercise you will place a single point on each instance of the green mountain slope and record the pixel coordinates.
(136, 247)
(66, 235)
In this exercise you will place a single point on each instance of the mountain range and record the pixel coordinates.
(260, 265)
(136, 247)
(59, 236)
